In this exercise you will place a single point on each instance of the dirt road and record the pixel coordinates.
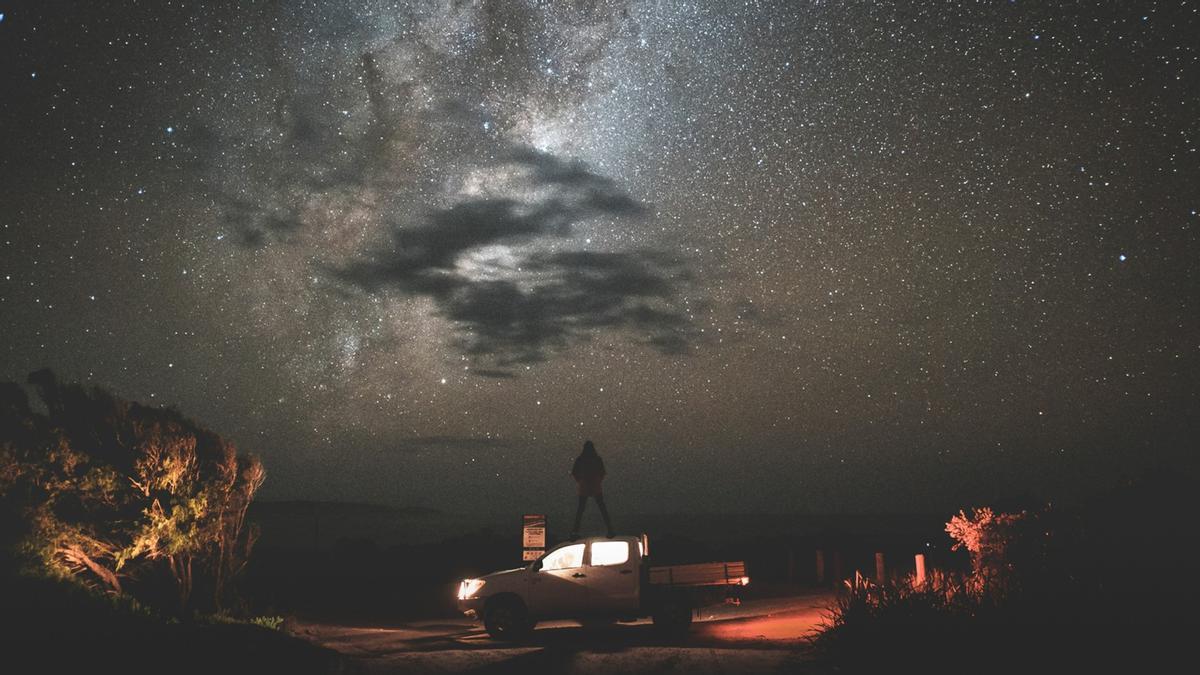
(760, 636)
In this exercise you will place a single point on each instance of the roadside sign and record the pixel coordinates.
(533, 536)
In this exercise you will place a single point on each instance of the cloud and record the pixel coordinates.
(422, 255)
(255, 224)
(494, 373)
(316, 152)
(592, 191)
(545, 301)
(581, 293)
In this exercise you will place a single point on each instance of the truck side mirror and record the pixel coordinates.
(536, 566)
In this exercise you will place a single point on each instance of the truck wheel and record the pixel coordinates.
(507, 619)
(673, 614)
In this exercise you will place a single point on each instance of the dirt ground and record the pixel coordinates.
(760, 636)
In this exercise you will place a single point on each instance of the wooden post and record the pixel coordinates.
(920, 577)
(879, 571)
(837, 568)
(820, 566)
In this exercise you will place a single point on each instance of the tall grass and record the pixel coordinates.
(882, 621)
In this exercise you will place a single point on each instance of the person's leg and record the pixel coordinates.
(604, 512)
(578, 516)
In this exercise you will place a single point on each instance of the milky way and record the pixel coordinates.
(768, 255)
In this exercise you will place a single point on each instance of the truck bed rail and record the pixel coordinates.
(701, 574)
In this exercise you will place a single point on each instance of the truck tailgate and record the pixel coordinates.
(701, 574)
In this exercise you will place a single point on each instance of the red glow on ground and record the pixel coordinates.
(790, 626)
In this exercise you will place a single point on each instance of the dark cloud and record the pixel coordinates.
(592, 191)
(255, 223)
(422, 255)
(494, 373)
(318, 152)
(557, 298)
(586, 292)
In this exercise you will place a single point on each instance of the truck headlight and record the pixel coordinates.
(469, 587)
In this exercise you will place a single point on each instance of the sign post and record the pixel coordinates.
(533, 536)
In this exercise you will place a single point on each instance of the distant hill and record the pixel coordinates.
(723, 527)
(304, 507)
(304, 524)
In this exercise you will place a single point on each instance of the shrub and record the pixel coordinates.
(901, 615)
(272, 622)
(951, 619)
(124, 497)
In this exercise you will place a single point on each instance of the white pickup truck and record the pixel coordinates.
(599, 578)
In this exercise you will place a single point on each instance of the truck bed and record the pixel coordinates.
(700, 574)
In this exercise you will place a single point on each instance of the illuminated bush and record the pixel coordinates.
(125, 497)
(1009, 551)
(952, 614)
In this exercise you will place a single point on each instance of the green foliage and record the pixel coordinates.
(272, 622)
(225, 618)
(124, 497)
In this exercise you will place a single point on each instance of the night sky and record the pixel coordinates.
(770, 256)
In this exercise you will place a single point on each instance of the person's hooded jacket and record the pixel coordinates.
(589, 472)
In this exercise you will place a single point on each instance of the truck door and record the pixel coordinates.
(559, 588)
(612, 577)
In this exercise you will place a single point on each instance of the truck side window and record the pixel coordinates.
(564, 558)
(609, 552)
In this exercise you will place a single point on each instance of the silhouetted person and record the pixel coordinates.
(589, 478)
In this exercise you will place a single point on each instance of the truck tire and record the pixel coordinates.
(506, 618)
(673, 615)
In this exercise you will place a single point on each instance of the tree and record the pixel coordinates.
(121, 495)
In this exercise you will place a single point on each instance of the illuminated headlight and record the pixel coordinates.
(469, 587)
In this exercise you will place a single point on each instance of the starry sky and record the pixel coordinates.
(793, 256)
